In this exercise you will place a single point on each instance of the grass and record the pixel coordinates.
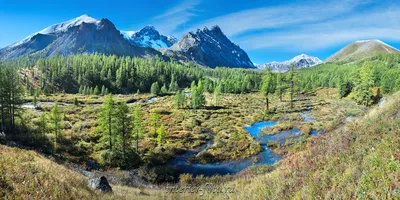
(356, 160)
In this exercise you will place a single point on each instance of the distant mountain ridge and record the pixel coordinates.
(210, 47)
(299, 62)
(149, 37)
(80, 35)
(84, 34)
(361, 49)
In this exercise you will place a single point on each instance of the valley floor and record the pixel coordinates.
(356, 157)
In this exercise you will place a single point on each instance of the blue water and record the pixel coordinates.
(266, 156)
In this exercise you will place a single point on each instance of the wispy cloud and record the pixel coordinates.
(309, 25)
(279, 16)
(171, 19)
(380, 23)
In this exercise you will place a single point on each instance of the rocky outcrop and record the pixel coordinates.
(100, 184)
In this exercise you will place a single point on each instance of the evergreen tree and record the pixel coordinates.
(106, 122)
(35, 100)
(292, 80)
(268, 86)
(179, 99)
(155, 120)
(42, 126)
(217, 95)
(280, 85)
(155, 89)
(364, 87)
(137, 125)
(56, 119)
(103, 90)
(160, 135)
(76, 102)
(164, 89)
(124, 127)
(96, 90)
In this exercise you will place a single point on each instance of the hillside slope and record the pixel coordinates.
(359, 160)
(361, 49)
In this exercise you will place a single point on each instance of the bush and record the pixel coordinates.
(186, 178)
(157, 174)
(116, 158)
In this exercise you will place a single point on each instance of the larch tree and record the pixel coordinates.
(56, 119)
(137, 125)
(268, 86)
(106, 122)
(124, 126)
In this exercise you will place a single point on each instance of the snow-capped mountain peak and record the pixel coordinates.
(61, 27)
(148, 36)
(300, 61)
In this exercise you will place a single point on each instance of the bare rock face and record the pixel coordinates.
(211, 48)
(100, 184)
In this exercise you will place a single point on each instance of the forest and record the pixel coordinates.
(94, 107)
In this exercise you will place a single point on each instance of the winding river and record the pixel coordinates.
(266, 156)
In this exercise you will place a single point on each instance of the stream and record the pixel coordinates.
(266, 156)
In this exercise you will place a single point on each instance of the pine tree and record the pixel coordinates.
(365, 83)
(103, 90)
(217, 94)
(155, 120)
(56, 119)
(106, 122)
(35, 100)
(179, 99)
(76, 102)
(137, 125)
(268, 86)
(42, 126)
(280, 85)
(164, 90)
(160, 135)
(124, 126)
(80, 90)
(155, 89)
(96, 90)
(173, 86)
(292, 80)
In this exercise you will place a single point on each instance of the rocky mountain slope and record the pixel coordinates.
(361, 49)
(210, 47)
(299, 62)
(149, 37)
(80, 35)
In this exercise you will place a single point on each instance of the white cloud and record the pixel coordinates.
(380, 23)
(170, 20)
(279, 16)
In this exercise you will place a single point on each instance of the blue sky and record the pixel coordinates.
(268, 30)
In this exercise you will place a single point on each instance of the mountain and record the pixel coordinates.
(299, 62)
(210, 47)
(80, 35)
(149, 37)
(361, 49)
